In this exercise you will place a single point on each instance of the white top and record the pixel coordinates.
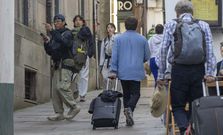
(155, 44)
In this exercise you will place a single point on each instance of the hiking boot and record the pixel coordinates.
(129, 117)
(72, 113)
(82, 98)
(56, 117)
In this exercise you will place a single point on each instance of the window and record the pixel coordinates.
(30, 84)
(26, 12)
(48, 11)
(209, 11)
(82, 8)
(57, 7)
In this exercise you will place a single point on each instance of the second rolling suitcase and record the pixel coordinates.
(207, 114)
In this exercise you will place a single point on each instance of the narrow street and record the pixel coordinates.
(32, 121)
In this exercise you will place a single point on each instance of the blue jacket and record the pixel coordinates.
(129, 53)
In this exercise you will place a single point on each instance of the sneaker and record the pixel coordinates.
(56, 117)
(129, 117)
(82, 98)
(72, 113)
(75, 94)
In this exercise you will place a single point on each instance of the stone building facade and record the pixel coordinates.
(32, 65)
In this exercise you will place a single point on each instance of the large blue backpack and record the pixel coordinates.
(189, 43)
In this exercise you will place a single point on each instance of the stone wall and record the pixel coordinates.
(29, 50)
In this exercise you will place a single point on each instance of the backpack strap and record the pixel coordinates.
(177, 38)
(177, 20)
(203, 36)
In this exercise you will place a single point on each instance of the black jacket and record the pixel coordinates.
(60, 45)
(105, 96)
(218, 67)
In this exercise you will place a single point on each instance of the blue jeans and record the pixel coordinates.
(186, 86)
(154, 68)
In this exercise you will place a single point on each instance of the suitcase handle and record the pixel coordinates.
(116, 83)
(205, 87)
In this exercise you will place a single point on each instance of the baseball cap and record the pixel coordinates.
(59, 16)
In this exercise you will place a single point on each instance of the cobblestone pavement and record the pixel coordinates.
(32, 120)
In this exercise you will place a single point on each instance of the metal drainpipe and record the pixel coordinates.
(164, 12)
(48, 11)
(95, 4)
(97, 66)
(145, 18)
(48, 20)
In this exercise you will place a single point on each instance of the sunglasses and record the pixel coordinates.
(57, 21)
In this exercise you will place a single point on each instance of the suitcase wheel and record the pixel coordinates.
(116, 127)
(114, 122)
(94, 127)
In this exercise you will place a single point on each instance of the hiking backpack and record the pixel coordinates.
(79, 52)
(189, 43)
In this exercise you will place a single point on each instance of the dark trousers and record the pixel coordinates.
(131, 93)
(186, 86)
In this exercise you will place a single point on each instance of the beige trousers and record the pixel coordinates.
(62, 92)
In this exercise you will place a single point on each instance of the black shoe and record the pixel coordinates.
(82, 99)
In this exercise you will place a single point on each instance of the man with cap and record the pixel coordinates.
(59, 47)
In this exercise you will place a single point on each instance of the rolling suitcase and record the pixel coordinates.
(106, 114)
(207, 113)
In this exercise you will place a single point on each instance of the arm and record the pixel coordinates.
(91, 47)
(146, 52)
(164, 49)
(64, 38)
(210, 58)
(149, 44)
(114, 61)
(102, 54)
(85, 34)
(48, 48)
(218, 67)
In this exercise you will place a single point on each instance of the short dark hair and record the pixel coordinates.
(131, 23)
(159, 29)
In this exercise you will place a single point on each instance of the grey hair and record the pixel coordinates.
(184, 6)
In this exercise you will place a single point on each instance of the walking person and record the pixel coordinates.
(106, 52)
(83, 34)
(212, 91)
(154, 47)
(195, 52)
(58, 47)
(129, 53)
